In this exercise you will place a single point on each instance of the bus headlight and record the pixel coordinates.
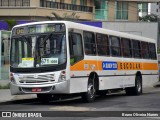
(62, 76)
(12, 78)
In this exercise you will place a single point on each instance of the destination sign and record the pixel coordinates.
(46, 28)
(19, 31)
(41, 28)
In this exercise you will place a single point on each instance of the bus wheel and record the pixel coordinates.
(137, 90)
(44, 97)
(89, 96)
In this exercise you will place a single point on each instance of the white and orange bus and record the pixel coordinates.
(61, 57)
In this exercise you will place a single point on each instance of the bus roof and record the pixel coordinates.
(93, 29)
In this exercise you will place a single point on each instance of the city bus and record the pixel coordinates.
(54, 58)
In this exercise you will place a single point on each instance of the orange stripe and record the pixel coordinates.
(150, 66)
(130, 66)
(86, 65)
(78, 66)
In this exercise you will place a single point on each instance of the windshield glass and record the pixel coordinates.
(38, 50)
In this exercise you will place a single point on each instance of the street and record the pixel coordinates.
(148, 101)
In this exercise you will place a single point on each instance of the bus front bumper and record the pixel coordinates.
(55, 88)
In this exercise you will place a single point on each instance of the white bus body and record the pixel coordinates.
(107, 71)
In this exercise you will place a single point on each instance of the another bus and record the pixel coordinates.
(61, 58)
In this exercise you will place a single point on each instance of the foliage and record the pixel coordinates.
(4, 86)
(11, 24)
(149, 18)
(158, 50)
(54, 16)
(70, 17)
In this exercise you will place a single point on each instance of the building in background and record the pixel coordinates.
(121, 10)
(155, 8)
(101, 9)
(4, 55)
(85, 10)
(144, 9)
(39, 10)
(116, 10)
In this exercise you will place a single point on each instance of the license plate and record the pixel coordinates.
(36, 89)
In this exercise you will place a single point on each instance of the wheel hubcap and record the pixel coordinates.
(91, 90)
(138, 86)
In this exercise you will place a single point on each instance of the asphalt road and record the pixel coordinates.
(149, 101)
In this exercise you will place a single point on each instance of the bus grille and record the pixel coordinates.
(37, 79)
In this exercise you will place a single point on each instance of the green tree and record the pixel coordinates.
(149, 18)
(158, 50)
(54, 16)
(69, 17)
(11, 24)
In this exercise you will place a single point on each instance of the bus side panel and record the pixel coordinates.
(150, 74)
(149, 80)
(110, 82)
(78, 81)
(109, 79)
(129, 78)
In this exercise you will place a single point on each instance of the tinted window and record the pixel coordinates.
(136, 49)
(144, 50)
(152, 51)
(76, 49)
(115, 46)
(126, 47)
(89, 43)
(102, 44)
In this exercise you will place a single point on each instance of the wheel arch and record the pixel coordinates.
(139, 74)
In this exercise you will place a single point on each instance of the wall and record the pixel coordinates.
(147, 29)
(132, 11)
(155, 8)
(111, 10)
(34, 3)
(4, 55)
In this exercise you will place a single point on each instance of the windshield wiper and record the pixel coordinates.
(26, 41)
(46, 38)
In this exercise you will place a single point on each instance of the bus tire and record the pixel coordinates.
(137, 90)
(89, 96)
(44, 98)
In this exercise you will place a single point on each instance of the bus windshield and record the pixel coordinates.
(38, 50)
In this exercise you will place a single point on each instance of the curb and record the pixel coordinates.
(6, 96)
(18, 97)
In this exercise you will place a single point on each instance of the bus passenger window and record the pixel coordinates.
(89, 43)
(102, 45)
(136, 49)
(144, 50)
(152, 51)
(126, 47)
(115, 46)
(76, 49)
